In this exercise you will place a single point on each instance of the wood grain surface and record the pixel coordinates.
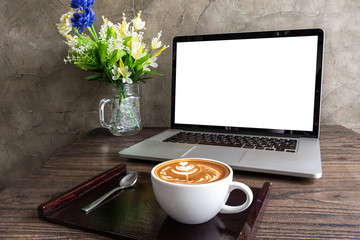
(327, 208)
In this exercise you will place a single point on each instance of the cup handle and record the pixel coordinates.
(240, 208)
(101, 113)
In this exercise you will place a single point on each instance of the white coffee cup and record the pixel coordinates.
(195, 203)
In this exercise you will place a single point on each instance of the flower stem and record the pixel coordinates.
(123, 98)
(82, 38)
(93, 28)
(95, 38)
(130, 113)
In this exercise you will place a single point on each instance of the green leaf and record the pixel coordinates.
(142, 60)
(139, 68)
(88, 40)
(144, 79)
(115, 56)
(159, 74)
(127, 39)
(93, 77)
(121, 53)
(108, 33)
(128, 61)
(94, 53)
(137, 75)
(113, 33)
(85, 65)
(102, 53)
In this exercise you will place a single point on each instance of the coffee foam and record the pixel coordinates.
(191, 171)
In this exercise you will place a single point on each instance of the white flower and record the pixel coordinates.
(103, 29)
(138, 23)
(124, 28)
(72, 42)
(137, 50)
(126, 76)
(155, 43)
(80, 50)
(66, 60)
(114, 44)
(122, 71)
(136, 37)
(116, 71)
(150, 62)
(64, 27)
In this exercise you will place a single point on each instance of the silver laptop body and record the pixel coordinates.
(251, 100)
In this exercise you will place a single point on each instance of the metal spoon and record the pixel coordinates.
(128, 181)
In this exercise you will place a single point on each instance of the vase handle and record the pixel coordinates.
(101, 113)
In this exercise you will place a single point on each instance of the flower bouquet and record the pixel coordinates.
(116, 55)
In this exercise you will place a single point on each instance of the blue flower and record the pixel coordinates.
(82, 3)
(82, 18)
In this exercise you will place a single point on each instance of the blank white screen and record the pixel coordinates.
(253, 83)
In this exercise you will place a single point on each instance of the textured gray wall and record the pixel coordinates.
(45, 104)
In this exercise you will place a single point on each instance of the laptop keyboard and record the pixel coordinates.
(249, 142)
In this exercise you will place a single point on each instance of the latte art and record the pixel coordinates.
(191, 171)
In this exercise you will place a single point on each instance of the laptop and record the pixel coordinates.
(251, 100)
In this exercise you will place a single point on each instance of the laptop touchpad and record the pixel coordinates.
(223, 154)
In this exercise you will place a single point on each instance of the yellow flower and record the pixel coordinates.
(159, 51)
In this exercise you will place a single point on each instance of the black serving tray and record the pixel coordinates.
(135, 214)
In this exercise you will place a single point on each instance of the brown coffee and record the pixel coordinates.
(191, 171)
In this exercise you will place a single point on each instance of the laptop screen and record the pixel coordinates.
(264, 81)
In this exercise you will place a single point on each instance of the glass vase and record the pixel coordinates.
(125, 118)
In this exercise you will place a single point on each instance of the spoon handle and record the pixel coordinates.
(95, 203)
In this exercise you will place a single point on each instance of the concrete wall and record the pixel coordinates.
(46, 104)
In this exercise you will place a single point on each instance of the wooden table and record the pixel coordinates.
(327, 208)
